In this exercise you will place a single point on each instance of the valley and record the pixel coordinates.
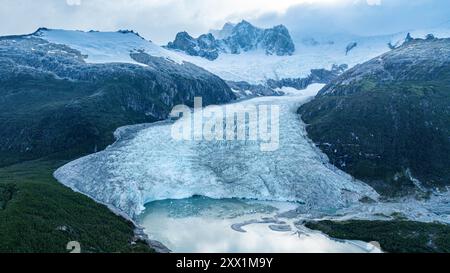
(123, 176)
(87, 151)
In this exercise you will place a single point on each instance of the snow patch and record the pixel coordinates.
(107, 47)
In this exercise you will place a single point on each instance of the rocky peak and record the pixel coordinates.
(183, 37)
(408, 38)
(244, 27)
(225, 32)
(278, 41)
(204, 46)
(235, 39)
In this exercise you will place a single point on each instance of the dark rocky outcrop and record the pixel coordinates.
(235, 39)
(350, 47)
(322, 75)
(387, 121)
(205, 46)
(245, 90)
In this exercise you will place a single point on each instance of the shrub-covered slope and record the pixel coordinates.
(387, 121)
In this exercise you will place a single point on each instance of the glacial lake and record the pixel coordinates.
(203, 225)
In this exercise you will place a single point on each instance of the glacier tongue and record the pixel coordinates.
(146, 164)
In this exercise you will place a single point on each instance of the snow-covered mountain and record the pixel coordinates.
(253, 66)
(320, 51)
(235, 39)
(106, 47)
(205, 46)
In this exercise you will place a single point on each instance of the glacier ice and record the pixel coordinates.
(146, 164)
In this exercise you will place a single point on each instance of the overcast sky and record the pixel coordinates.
(160, 20)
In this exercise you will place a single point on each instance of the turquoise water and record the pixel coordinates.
(201, 225)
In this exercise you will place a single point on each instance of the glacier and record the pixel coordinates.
(145, 164)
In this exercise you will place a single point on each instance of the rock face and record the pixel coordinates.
(235, 39)
(245, 90)
(387, 121)
(53, 102)
(205, 46)
(350, 47)
(323, 76)
(224, 32)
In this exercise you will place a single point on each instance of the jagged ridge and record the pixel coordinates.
(236, 39)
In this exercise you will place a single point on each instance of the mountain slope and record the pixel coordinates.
(387, 121)
(53, 101)
(106, 47)
(41, 216)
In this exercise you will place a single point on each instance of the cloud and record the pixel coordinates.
(374, 2)
(160, 20)
(361, 17)
(73, 2)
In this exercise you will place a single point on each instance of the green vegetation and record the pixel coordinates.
(58, 104)
(386, 134)
(41, 118)
(6, 193)
(393, 236)
(387, 121)
(37, 214)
